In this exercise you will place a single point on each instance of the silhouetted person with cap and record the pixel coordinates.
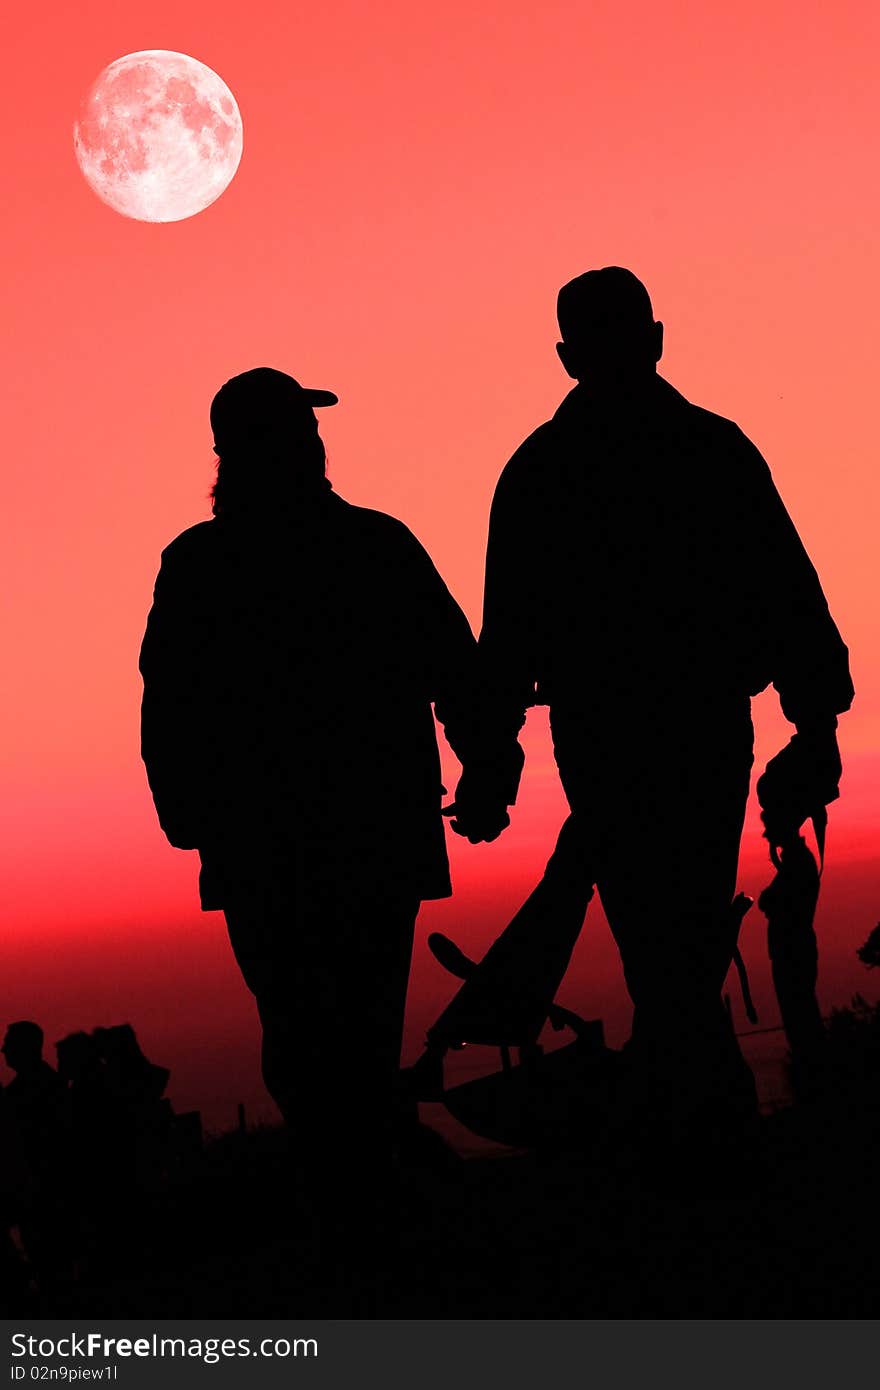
(644, 580)
(292, 654)
(136, 1086)
(131, 1075)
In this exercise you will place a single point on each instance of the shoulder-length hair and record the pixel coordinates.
(251, 480)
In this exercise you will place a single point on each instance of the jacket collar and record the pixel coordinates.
(657, 397)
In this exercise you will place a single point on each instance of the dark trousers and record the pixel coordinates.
(328, 966)
(662, 804)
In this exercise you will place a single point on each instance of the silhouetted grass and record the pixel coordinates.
(782, 1224)
(788, 1229)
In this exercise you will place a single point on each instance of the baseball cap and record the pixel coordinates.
(262, 399)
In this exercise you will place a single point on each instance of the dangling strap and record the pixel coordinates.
(820, 825)
(749, 1003)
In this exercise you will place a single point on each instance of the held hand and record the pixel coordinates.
(477, 822)
(182, 839)
(182, 832)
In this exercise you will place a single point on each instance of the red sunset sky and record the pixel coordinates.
(416, 183)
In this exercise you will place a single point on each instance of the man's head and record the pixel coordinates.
(23, 1046)
(609, 336)
(266, 437)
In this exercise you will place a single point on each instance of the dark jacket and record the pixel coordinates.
(641, 559)
(289, 669)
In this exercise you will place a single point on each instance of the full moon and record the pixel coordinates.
(159, 136)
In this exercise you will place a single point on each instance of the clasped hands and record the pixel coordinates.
(796, 783)
(479, 812)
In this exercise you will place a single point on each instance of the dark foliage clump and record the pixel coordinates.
(853, 1036)
(869, 954)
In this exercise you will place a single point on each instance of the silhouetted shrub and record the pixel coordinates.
(869, 954)
(854, 1041)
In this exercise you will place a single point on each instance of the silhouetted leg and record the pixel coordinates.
(329, 972)
(674, 950)
(666, 820)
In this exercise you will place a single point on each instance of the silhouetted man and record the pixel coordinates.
(644, 580)
(292, 654)
(35, 1096)
(36, 1120)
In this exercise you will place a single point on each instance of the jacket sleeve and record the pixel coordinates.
(808, 662)
(441, 630)
(508, 651)
(175, 666)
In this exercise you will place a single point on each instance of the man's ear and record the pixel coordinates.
(566, 357)
(658, 341)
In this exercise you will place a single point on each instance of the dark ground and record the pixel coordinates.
(790, 1231)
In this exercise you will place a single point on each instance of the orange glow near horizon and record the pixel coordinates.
(415, 185)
